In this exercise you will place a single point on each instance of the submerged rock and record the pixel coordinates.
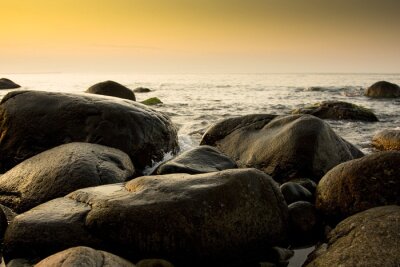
(152, 101)
(33, 121)
(111, 88)
(387, 140)
(142, 90)
(338, 110)
(84, 256)
(360, 184)
(201, 159)
(198, 219)
(8, 84)
(383, 89)
(61, 170)
(369, 238)
(285, 147)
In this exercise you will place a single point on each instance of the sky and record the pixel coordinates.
(200, 36)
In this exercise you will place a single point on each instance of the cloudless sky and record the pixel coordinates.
(200, 36)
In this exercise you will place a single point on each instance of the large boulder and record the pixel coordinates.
(338, 110)
(285, 147)
(61, 170)
(383, 89)
(360, 184)
(8, 84)
(33, 121)
(201, 159)
(84, 256)
(111, 88)
(367, 239)
(197, 219)
(387, 140)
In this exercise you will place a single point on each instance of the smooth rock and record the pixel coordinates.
(293, 192)
(152, 101)
(111, 88)
(61, 170)
(360, 184)
(308, 184)
(34, 121)
(367, 239)
(201, 159)
(387, 140)
(383, 89)
(198, 219)
(285, 147)
(84, 256)
(305, 226)
(8, 84)
(142, 90)
(338, 110)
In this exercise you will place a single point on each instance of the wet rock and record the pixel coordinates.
(383, 89)
(360, 184)
(387, 140)
(151, 101)
(201, 159)
(8, 84)
(369, 238)
(84, 256)
(142, 90)
(111, 88)
(197, 219)
(305, 227)
(20, 263)
(154, 263)
(293, 192)
(338, 110)
(308, 184)
(33, 121)
(61, 170)
(285, 147)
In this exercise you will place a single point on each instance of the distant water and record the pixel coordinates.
(195, 101)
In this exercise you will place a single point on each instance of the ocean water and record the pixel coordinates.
(195, 101)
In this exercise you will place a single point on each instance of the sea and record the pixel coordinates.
(196, 101)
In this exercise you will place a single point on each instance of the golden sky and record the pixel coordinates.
(222, 35)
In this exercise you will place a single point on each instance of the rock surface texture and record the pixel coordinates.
(367, 239)
(387, 140)
(360, 184)
(111, 88)
(33, 121)
(197, 219)
(61, 170)
(285, 147)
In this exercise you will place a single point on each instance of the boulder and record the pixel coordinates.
(34, 121)
(201, 159)
(285, 147)
(387, 140)
(151, 101)
(111, 88)
(197, 219)
(142, 90)
(83, 256)
(360, 184)
(293, 192)
(8, 84)
(61, 170)
(305, 226)
(369, 238)
(338, 110)
(383, 89)
(3, 223)
(308, 184)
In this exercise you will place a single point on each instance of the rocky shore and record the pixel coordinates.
(73, 189)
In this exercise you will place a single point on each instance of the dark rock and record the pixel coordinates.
(8, 84)
(111, 88)
(201, 159)
(360, 184)
(142, 90)
(33, 121)
(3, 223)
(383, 89)
(197, 219)
(154, 263)
(387, 140)
(151, 101)
(338, 110)
(84, 256)
(369, 238)
(285, 147)
(293, 192)
(308, 184)
(61, 170)
(305, 227)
